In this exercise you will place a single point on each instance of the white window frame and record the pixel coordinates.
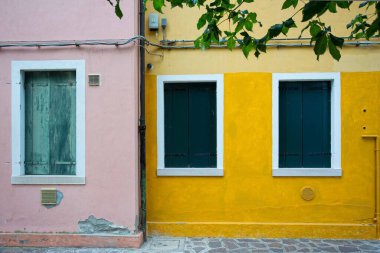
(335, 169)
(18, 121)
(167, 79)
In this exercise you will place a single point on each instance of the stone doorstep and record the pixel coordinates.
(70, 240)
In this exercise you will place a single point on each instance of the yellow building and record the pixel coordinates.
(280, 146)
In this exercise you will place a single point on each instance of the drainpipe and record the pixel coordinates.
(376, 218)
(142, 126)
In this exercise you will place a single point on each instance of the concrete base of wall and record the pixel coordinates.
(70, 240)
(263, 230)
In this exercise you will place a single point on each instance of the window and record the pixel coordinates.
(48, 122)
(306, 125)
(190, 125)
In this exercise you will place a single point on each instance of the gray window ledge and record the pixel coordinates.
(48, 180)
(207, 172)
(307, 172)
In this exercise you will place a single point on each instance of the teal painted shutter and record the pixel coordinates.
(176, 115)
(50, 123)
(190, 125)
(62, 122)
(290, 117)
(316, 125)
(37, 113)
(305, 125)
(202, 125)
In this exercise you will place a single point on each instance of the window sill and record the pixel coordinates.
(196, 172)
(307, 172)
(48, 180)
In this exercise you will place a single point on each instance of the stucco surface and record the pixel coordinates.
(111, 189)
(248, 200)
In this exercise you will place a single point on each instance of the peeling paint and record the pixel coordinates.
(94, 225)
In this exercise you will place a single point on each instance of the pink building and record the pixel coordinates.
(69, 116)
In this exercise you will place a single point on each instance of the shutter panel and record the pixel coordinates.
(316, 125)
(202, 125)
(36, 123)
(290, 117)
(62, 122)
(176, 125)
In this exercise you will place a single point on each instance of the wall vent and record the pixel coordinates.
(48, 196)
(94, 79)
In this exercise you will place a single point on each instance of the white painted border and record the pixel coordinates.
(335, 169)
(18, 121)
(161, 170)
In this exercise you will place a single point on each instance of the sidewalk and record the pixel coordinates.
(221, 245)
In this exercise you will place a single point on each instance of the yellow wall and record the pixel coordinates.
(247, 200)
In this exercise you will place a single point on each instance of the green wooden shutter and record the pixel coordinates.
(62, 122)
(305, 124)
(290, 117)
(176, 115)
(202, 125)
(50, 114)
(37, 113)
(316, 125)
(190, 125)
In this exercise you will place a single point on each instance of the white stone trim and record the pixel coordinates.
(161, 170)
(335, 169)
(18, 118)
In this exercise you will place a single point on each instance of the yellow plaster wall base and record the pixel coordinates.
(263, 230)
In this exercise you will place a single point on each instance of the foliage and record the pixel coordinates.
(243, 22)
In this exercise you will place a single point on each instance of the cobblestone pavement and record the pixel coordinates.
(222, 245)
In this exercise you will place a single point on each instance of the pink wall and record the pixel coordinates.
(111, 189)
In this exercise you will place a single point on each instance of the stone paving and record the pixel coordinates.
(223, 245)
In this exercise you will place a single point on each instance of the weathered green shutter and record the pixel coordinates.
(50, 114)
(37, 113)
(62, 122)
(305, 123)
(190, 125)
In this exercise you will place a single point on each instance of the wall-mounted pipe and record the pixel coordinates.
(142, 125)
(377, 181)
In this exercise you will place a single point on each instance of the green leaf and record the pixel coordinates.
(336, 40)
(262, 47)
(231, 43)
(248, 25)
(252, 16)
(285, 30)
(314, 29)
(313, 8)
(290, 23)
(332, 7)
(247, 49)
(275, 30)
(118, 11)
(158, 4)
(239, 26)
(363, 4)
(201, 21)
(287, 4)
(344, 4)
(333, 50)
(375, 27)
(320, 46)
